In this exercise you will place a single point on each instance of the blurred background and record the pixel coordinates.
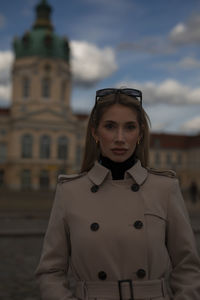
(54, 55)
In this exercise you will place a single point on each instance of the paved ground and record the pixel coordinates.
(21, 238)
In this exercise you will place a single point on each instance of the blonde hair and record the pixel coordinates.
(92, 150)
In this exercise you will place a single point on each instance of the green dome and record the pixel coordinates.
(41, 40)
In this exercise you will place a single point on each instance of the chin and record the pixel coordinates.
(118, 158)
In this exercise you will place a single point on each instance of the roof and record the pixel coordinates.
(174, 141)
(81, 117)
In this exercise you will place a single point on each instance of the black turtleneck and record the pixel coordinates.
(117, 168)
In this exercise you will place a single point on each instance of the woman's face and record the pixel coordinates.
(118, 132)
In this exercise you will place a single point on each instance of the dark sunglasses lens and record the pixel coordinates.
(104, 92)
(132, 92)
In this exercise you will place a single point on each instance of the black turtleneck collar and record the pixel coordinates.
(117, 168)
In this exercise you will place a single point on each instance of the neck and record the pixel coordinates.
(117, 169)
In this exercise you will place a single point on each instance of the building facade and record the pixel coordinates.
(40, 137)
(180, 153)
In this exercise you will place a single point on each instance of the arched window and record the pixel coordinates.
(26, 85)
(62, 90)
(44, 179)
(62, 147)
(46, 87)
(45, 146)
(26, 146)
(2, 173)
(25, 178)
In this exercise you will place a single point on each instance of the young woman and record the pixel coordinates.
(121, 226)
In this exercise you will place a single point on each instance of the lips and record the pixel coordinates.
(119, 151)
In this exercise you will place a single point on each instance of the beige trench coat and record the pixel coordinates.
(109, 230)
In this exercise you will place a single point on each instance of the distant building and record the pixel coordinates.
(40, 137)
(178, 152)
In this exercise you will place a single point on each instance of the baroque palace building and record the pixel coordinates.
(40, 136)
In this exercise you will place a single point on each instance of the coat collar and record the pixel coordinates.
(98, 173)
(138, 173)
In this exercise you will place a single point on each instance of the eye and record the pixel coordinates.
(131, 126)
(109, 125)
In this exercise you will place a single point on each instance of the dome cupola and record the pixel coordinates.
(41, 40)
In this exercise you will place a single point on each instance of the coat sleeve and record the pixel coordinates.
(52, 270)
(185, 275)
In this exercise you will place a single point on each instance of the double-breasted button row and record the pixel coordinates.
(135, 187)
(138, 225)
(141, 273)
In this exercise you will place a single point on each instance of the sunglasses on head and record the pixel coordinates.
(129, 92)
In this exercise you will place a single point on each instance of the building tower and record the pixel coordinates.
(41, 72)
(43, 137)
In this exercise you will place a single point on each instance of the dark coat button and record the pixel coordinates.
(94, 226)
(135, 187)
(141, 273)
(138, 224)
(102, 275)
(94, 188)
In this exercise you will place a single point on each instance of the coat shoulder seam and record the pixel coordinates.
(62, 178)
(160, 172)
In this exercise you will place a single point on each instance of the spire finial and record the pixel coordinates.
(43, 13)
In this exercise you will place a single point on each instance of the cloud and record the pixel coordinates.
(169, 91)
(193, 125)
(91, 64)
(189, 63)
(6, 60)
(2, 21)
(151, 45)
(5, 95)
(186, 33)
(186, 63)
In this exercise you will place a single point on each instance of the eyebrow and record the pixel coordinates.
(128, 122)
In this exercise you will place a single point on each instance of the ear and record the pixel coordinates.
(141, 134)
(94, 134)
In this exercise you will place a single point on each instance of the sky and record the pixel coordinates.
(149, 45)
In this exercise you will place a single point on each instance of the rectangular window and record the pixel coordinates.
(157, 158)
(168, 159)
(46, 88)
(26, 178)
(44, 179)
(2, 172)
(179, 158)
(2, 152)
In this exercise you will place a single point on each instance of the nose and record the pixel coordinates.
(119, 136)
